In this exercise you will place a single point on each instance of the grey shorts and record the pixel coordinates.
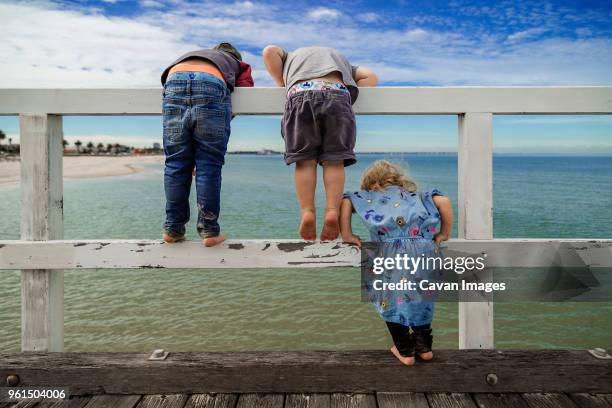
(319, 125)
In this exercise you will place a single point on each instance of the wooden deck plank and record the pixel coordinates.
(307, 401)
(589, 400)
(310, 372)
(163, 401)
(212, 401)
(25, 404)
(341, 400)
(548, 400)
(401, 400)
(260, 401)
(499, 400)
(450, 400)
(113, 401)
(73, 402)
(607, 397)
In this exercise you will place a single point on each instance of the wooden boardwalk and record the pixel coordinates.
(338, 400)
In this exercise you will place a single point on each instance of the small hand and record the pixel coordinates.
(440, 237)
(352, 239)
(193, 172)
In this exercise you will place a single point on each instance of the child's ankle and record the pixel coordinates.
(331, 210)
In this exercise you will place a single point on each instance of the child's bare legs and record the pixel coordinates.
(333, 178)
(305, 186)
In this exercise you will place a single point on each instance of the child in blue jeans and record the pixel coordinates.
(402, 221)
(197, 110)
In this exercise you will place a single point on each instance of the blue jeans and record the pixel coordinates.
(196, 111)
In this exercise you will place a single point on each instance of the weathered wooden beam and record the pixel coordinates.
(372, 101)
(311, 372)
(125, 254)
(475, 206)
(42, 289)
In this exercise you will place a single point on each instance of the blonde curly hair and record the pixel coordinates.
(385, 174)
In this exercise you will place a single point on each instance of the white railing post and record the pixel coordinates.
(42, 290)
(475, 171)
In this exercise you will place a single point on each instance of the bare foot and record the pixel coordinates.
(171, 239)
(409, 361)
(308, 226)
(212, 241)
(427, 356)
(331, 227)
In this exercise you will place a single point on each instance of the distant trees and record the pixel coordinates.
(10, 148)
(100, 147)
(78, 145)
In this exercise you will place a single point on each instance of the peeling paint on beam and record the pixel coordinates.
(185, 255)
(126, 254)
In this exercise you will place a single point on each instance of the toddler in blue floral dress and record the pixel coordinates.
(403, 221)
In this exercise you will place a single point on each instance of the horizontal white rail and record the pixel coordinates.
(372, 101)
(102, 254)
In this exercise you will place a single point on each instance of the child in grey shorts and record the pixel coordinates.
(318, 125)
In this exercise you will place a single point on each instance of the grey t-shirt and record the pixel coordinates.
(314, 62)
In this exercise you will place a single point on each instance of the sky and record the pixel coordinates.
(117, 43)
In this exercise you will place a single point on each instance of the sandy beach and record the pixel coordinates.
(83, 167)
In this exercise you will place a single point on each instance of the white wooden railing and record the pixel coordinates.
(41, 110)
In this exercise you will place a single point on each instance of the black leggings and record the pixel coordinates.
(401, 337)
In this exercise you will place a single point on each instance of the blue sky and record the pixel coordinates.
(116, 43)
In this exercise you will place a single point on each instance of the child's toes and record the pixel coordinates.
(212, 241)
(409, 361)
(427, 356)
(171, 238)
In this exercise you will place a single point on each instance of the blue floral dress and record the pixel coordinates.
(404, 222)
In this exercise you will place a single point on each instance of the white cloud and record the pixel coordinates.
(324, 13)
(48, 46)
(151, 3)
(368, 17)
(526, 34)
(65, 48)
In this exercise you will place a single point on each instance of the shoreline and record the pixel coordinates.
(85, 167)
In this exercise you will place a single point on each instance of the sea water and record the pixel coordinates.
(300, 309)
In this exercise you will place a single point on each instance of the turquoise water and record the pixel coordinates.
(138, 310)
